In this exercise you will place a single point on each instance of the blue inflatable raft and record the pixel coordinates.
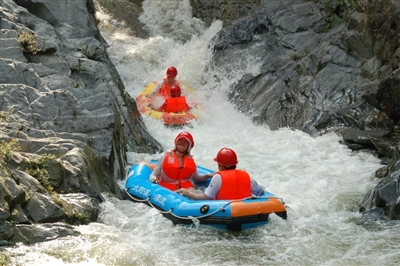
(235, 215)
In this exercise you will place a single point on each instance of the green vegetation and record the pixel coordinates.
(78, 67)
(79, 86)
(7, 148)
(38, 171)
(366, 73)
(299, 69)
(28, 41)
(5, 117)
(94, 54)
(4, 259)
(382, 21)
(73, 214)
(336, 12)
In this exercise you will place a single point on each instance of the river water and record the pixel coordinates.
(321, 180)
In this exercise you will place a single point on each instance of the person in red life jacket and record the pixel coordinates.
(228, 183)
(163, 87)
(176, 168)
(176, 103)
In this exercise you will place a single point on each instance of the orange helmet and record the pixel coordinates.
(187, 136)
(172, 72)
(226, 157)
(175, 91)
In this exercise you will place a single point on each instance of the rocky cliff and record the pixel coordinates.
(66, 121)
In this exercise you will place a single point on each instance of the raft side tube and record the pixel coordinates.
(230, 223)
(137, 171)
(257, 205)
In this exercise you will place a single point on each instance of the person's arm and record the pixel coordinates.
(209, 193)
(191, 195)
(200, 177)
(163, 107)
(256, 189)
(159, 84)
(157, 170)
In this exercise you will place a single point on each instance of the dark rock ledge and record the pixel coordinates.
(382, 202)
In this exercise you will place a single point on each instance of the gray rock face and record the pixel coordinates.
(66, 121)
(310, 78)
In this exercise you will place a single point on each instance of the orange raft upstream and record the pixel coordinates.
(145, 102)
(235, 215)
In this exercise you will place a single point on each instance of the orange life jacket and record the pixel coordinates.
(235, 184)
(164, 90)
(180, 176)
(176, 104)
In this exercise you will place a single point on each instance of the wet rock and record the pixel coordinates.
(374, 214)
(31, 234)
(372, 139)
(311, 78)
(6, 232)
(81, 208)
(42, 209)
(385, 196)
(18, 215)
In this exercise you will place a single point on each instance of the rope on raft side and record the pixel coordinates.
(221, 208)
(177, 216)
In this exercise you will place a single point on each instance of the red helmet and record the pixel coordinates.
(226, 157)
(185, 135)
(175, 91)
(172, 72)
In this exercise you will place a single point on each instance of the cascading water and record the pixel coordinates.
(321, 180)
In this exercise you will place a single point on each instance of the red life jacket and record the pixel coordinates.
(176, 104)
(180, 176)
(235, 184)
(164, 90)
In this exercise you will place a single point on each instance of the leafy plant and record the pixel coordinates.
(73, 214)
(5, 116)
(28, 41)
(4, 259)
(299, 69)
(38, 171)
(7, 148)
